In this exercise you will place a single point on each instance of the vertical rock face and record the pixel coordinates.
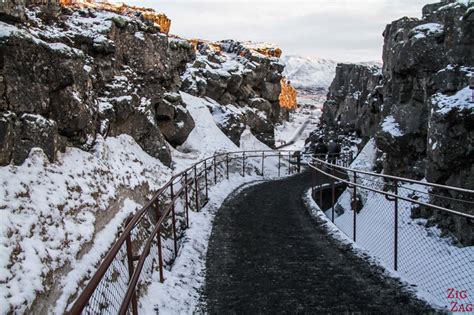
(427, 63)
(87, 72)
(419, 109)
(354, 93)
(234, 73)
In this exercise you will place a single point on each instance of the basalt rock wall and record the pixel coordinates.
(86, 73)
(419, 108)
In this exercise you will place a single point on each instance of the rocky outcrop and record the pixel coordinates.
(419, 110)
(354, 100)
(88, 72)
(145, 14)
(233, 73)
(426, 61)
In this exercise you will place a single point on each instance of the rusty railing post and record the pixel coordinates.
(186, 198)
(333, 193)
(243, 164)
(128, 244)
(205, 178)
(196, 188)
(158, 242)
(263, 161)
(354, 208)
(173, 216)
(289, 163)
(279, 162)
(160, 255)
(215, 171)
(227, 163)
(298, 162)
(321, 183)
(395, 239)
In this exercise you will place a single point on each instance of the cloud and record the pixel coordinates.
(345, 30)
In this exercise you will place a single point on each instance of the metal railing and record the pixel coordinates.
(422, 230)
(150, 239)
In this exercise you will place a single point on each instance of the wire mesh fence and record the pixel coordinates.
(422, 230)
(150, 240)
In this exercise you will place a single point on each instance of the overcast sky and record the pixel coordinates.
(343, 30)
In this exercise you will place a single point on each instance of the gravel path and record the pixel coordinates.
(268, 255)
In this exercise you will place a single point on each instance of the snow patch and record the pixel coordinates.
(391, 126)
(461, 100)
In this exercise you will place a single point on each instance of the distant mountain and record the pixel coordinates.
(309, 73)
(312, 73)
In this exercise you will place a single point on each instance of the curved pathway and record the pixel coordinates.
(268, 255)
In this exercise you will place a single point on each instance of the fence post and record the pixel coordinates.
(196, 188)
(333, 193)
(289, 163)
(263, 161)
(173, 217)
(279, 160)
(205, 178)
(227, 163)
(215, 171)
(128, 244)
(321, 183)
(298, 162)
(395, 238)
(186, 198)
(160, 255)
(354, 207)
(243, 164)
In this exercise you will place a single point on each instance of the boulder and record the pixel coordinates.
(177, 129)
(34, 131)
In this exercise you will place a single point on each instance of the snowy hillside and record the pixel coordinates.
(309, 73)
(312, 73)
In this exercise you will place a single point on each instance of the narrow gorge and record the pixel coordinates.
(103, 107)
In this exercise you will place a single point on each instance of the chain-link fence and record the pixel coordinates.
(422, 230)
(150, 240)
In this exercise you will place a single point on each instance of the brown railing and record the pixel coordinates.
(425, 231)
(150, 240)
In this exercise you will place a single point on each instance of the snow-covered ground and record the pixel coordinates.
(59, 219)
(426, 258)
(50, 211)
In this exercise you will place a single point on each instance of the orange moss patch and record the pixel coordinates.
(158, 19)
(269, 52)
(288, 95)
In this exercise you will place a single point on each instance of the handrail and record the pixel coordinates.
(190, 177)
(425, 236)
(397, 178)
(389, 194)
(106, 262)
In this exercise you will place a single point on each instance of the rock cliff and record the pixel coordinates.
(116, 71)
(234, 73)
(419, 107)
(89, 72)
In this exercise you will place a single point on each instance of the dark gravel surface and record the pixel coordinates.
(268, 255)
